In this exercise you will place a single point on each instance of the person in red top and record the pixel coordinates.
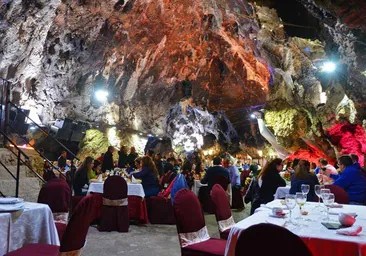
(100, 158)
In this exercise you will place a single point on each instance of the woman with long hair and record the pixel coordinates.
(83, 176)
(149, 176)
(301, 176)
(264, 186)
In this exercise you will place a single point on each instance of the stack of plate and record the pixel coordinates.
(11, 204)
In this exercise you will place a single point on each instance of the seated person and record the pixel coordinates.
(263, 187)
(149, 176)
(83, 176)
(97, 169)
(301, 176)
(351, 180)
(213, 172)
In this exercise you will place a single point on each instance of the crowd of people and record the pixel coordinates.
(349, 176)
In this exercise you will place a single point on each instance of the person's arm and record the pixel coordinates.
(140, 174)
(334, 176)
(204, 180)
(281, 181)
(344, 180)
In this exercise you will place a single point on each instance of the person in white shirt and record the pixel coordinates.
(326, 170)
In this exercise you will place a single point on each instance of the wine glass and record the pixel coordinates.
(328, 201)
(305, 188)
(317, 190)
(290, 203)
(324, 193)
(300, 200)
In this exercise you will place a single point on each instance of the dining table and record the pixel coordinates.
(320, 240)
(33, 223)
(137, 208)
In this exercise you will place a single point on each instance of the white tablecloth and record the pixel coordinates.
(314, 227)
(281, 192)
(34, 225)
(196, 186)
(133, 189)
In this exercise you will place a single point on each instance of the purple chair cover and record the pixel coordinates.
(340, 194)
(268, 239)
(56, 193)
(222, 210)
(160, 210)
(190, 223)
(115, 209)
(222, 181)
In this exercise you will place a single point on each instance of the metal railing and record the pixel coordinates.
(19, 156)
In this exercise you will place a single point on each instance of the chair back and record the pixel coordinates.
(56, 194)
(340, 194)
(268, 239)
(221, 203)
(222, 181)
(115, 187)
(189, 217)
(78, 226)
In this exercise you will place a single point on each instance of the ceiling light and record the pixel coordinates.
(328, 67)
(101, 95)
(252, 116)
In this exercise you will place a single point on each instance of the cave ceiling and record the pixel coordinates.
(223, 56)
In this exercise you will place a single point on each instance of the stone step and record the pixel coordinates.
(28, 188)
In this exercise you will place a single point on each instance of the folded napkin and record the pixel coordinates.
(335, 205)
(10, 200)
(351, 231)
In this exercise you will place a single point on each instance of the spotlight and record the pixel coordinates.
(328, 67)
(101, 95)
(141, 134)
(160, 138)
(32, 128)
(150, 135)
(252, 116)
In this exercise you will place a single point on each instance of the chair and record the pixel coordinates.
(222, 181)
(56, 194)
(268, 239)
(160, 210)
(192, 231)
(237, 200)
(115, 205)
(340, 194)
(74, 238)
(205, 197)
(222, 211)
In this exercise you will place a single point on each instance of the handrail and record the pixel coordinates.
(27, 143)
(6, 168)
(45, 132)
(6, 136)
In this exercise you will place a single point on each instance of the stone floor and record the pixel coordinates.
(146, 240)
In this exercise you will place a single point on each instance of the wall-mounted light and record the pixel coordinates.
(328, 67)
(252, 116)
(141, 134)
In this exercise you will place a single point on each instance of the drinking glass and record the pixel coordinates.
(305, 188)
(290, 201)
(324, 193)
(300, 200)
(328, 201)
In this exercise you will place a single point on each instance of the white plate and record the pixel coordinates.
(11, 200)
(11, 207)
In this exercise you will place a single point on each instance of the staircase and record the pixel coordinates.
(21, 167)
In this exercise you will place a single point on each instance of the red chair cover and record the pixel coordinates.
(268, 239)
(190, 223)
(61, 227)
(222, 181)
(237, 200)
(160, 210)
(56, 193)
(222, 210)
(73, 238)
(340, 194)
(78, 226)
(115, 205)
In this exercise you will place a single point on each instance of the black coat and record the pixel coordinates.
(212, 173)
(80, 180)
(122, 159)
(107, 162)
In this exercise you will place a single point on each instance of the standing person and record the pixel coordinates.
(107, 163)
(132, 156)
(234, 175)
(351, 180)
(122, 157)
(83, 176)
(301, 176)
(61, 161)
(264, 186)
(213, 172)
(149, 176)
(159, 164)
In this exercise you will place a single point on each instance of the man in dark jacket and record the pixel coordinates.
(61, 161)
(108, 160)
(122, 157)
(159, 164)
(132, 156)
(213, 172)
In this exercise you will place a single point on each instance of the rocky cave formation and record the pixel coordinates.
(192, 71)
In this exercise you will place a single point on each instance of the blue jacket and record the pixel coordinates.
(296, 186)
(149, 182)
(354, 183)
